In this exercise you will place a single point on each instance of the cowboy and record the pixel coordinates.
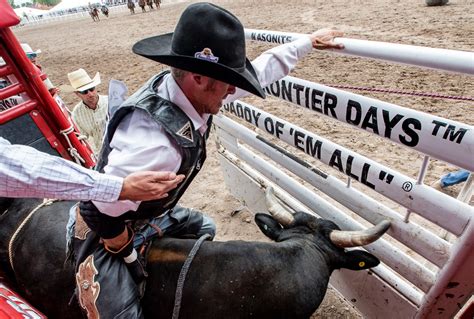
(90, 115)
(165, 125)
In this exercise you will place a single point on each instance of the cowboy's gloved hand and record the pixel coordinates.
(86, 205)
(90, 213)
(53, 91)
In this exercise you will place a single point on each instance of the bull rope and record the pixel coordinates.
(401, 92)
(182, 275)
(23, 223)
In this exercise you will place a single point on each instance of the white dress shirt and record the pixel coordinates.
(139, 143)
(27, 172)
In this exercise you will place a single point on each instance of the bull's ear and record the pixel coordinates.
(359, 260)
(268, 226)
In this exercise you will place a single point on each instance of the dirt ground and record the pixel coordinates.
(106, 47)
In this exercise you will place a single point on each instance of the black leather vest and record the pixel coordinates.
(179, 127)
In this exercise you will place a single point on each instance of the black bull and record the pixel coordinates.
(287, 278)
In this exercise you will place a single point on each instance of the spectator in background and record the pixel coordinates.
(90, 115)
(11, 79)
(32, 56)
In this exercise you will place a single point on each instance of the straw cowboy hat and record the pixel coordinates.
(28, 50)
(81, 81)
(207, 40)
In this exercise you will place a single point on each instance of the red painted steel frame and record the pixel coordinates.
(30, 81)
(12, 306)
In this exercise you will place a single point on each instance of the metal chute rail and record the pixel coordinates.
(433, 58)
(422, 275)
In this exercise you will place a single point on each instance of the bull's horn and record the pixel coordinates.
(281, 215)
(356, 238)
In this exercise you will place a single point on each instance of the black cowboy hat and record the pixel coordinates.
(207, 40)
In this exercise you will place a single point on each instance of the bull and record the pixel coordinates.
(286, 278)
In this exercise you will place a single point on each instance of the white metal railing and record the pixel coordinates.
(404, 286)
(408, 127)
(439, 208)
(439, 59)
(432, 247)
(411, 269)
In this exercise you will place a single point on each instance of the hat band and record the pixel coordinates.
(202, 56)
(206, 54)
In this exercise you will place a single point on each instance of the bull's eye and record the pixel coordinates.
(265, 227)
(361, 264)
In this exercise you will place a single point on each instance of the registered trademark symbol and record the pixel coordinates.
(407, 186)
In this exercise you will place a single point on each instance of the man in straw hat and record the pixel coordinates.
(90, 115)
(164, 126)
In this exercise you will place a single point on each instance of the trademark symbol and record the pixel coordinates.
(407, 186)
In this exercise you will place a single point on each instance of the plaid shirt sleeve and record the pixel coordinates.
(26, 172)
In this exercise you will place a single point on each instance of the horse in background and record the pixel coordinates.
(150, 4)
(157, 3)
(131, 6)
(141, 4)
(104, 10)
(94, 12)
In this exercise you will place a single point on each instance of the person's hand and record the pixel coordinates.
(147, 185)
(324, 39)
(53, 91)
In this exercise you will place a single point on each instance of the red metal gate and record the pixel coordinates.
(38, 120)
